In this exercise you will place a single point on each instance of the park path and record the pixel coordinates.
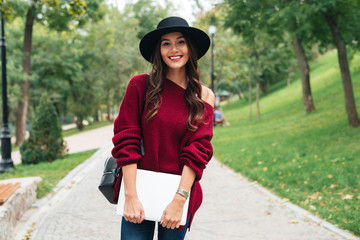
(80, 142)
(233, 207)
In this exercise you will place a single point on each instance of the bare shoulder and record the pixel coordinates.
(207, 95)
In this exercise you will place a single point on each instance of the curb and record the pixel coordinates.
(41, 207)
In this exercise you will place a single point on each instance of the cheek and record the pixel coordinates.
(163, 53)
(185, 51)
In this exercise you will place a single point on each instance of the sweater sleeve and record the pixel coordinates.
(198, 150)
(127, 132)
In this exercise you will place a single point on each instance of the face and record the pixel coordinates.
(174, 50)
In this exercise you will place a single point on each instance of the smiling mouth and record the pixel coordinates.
(175, 57)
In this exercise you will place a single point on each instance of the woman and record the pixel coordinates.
(176, 127)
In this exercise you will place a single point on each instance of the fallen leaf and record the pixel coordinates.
(323, 203)
(312, 207)
(330, 176)
(347, 196)
(293, 221)
(306, 201)
(333, 186)
(265, 169)
(306, 182)
(268, 213)
(315, 195)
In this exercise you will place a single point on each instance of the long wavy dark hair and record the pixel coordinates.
(192, 92)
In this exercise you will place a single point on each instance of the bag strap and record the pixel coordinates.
(142, 149)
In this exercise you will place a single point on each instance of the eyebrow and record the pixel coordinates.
(165, 39)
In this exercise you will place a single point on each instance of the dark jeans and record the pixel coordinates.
(145, 231)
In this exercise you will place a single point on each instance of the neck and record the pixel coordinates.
(178, 76)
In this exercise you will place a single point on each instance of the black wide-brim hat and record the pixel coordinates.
(174, 24)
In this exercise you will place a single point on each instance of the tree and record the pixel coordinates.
(111, 56)
(343, 19)
(149, 14)
(56, 15)
(242, 61)
(45, 142)
(275, 18)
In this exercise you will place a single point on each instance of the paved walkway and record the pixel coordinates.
(80, 142)
(233, 208)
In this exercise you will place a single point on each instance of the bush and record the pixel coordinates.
(45, 142)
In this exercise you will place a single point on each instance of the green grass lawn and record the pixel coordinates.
(50, 172)
(311, 159)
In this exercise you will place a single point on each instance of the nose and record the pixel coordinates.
(174, 47)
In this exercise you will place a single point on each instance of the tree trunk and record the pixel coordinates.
(305, 75)
(101, 113)
(258, 70)
(290, 76)
(250, 100)
(117, 89)
(350, 105)
(241, 95)
(258, 100)
(108, 108)
(23, 103)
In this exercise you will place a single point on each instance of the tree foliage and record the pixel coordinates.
(84, 68)
(45, 142)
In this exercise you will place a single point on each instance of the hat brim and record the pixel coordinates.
(198, 37)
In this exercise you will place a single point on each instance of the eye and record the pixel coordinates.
(181, 42)
(164, 44)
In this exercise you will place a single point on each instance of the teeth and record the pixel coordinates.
(173, 58)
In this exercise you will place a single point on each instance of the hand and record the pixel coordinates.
(133, 210)
(172, 214)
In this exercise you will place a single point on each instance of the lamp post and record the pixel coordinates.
(212, 31)
(5, 163)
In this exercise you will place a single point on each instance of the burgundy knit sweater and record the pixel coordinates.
(169, 145)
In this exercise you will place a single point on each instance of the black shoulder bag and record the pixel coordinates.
(111, 171)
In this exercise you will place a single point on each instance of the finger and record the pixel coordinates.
(165, 222)
(169, 224)
(173, 225)
(142, 217)
(162, 220)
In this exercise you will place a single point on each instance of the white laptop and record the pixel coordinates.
(155, 191)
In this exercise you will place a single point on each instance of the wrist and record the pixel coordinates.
(179, 199)
(130, 195)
